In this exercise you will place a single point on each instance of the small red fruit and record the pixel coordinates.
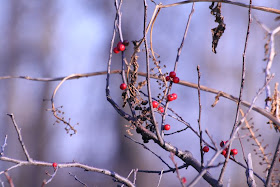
(161, 109)
(170, 97)
(224, 152)
(205, 149)
(116, 50)
(120, 46)
(176, 79)
(155, 104)
(233, 152)
(54, 164)
(184, 180)
(123, 86)
(172, 74)
(174, 96)
(166, 127)
(167, 78)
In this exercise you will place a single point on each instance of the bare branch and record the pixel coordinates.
(3, 146)
(77, 179)
(20, 137)
(261, 8)
(183, 83)
(240, 92)
(68, 165)
(268, 178)
(249, 172)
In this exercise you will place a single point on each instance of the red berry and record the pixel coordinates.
(161, 109)
(116, 50)
(155, 104)
(233, 152)
(184, 180)
(120, 46)
(172, 74)
(123, 86)
(224, 152)
(167, 78)
(174, 96)
(126, 42)
(205, 149)
(166, 127)
(176, 79)
(54, 164)
(170, 97)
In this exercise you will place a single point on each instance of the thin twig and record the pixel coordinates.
(199, 117)
(148, 76)
(4, 145)
(54, 109)
(255, 139)
(249, 172)
(184, 37)
(77, 179)
(160, 176)
(163, 171)
(145, 147)
(176, 131)
(20, 137)
(108, 95)
(176, 167)
(197, 178)
(213, 142)
(9, 179)
(261, 8)
(51, 177)
(268, 178)
(240, 92)
(135, 176)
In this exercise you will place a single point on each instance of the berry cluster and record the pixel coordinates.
(233, 152)
(172, 77)
(121, 46)
(155, 105)
(172, 97)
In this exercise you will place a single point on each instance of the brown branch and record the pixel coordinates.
(9, 179)
(183, 83)
(261, 8)
(54, 109)
(20, 137)
(148, 77)
(199, 117)
(67, 165)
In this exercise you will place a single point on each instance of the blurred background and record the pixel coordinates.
(59, 38)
